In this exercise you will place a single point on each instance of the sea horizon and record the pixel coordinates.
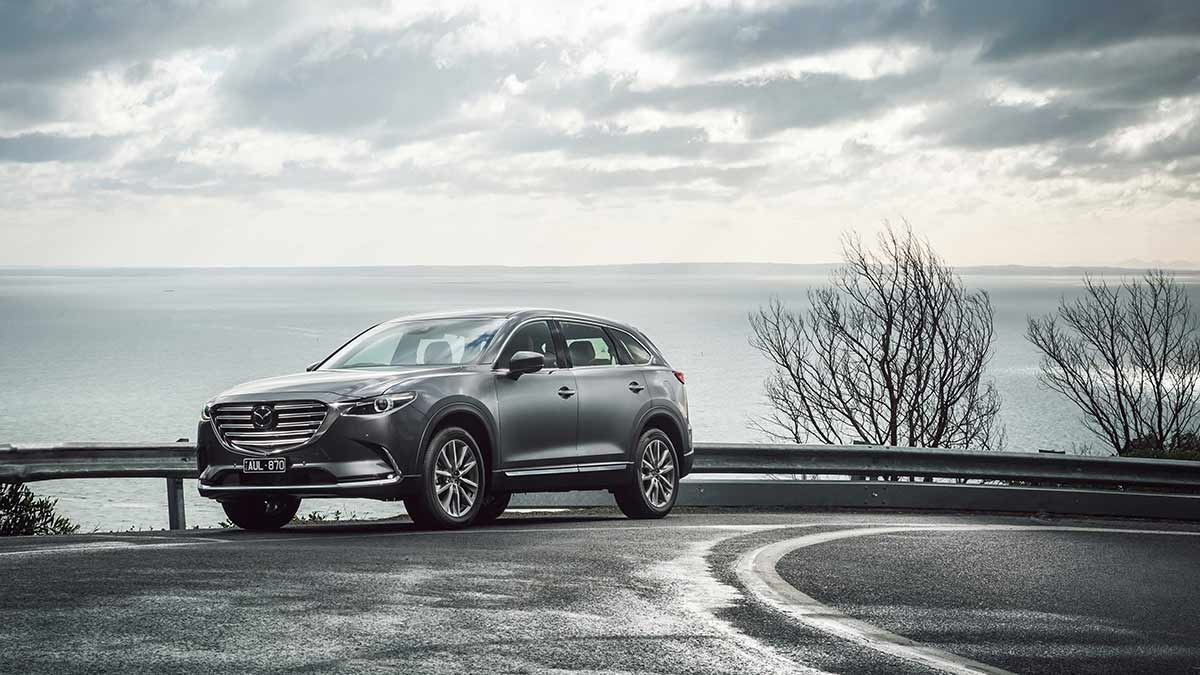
(91, 344)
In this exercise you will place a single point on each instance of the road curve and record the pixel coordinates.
(592, 592)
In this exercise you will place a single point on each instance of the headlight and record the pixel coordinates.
(206, 412)
(380, 404)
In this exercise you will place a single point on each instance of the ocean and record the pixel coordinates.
(132, 354)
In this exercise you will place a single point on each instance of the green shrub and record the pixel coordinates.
(24, 513)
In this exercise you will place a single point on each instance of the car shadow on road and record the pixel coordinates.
(517, 520)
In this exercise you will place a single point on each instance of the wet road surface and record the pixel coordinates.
(592, 592)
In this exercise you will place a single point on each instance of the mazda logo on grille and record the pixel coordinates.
(263, 417)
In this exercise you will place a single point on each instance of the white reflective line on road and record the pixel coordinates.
(705, 595)
(111, 545)
(757, 570)
(505, 530)
(92, 547)
(254, 538)
(250, 538)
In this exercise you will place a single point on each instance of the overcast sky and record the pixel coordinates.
(279, 133)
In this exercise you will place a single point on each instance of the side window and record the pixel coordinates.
(588, 345)
(636, 353)
(532, 337)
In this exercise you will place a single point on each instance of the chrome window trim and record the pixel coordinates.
(589, 322)
(611, 365)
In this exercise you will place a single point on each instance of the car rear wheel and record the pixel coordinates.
(655, 478)
(493, 507)
(452, 482)
(261, 513)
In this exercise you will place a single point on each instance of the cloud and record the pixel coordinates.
(591, 181)
(986, 125)
(720, 38)
(32, 148)
(367, 80)
(1183, 143)
(23, 104)
(42, 40)
(602, 140)
(1138, 73)
(716, 38)
(767, 105)
(832, 107)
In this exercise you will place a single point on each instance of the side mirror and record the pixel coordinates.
(522, 363)
(312, 367)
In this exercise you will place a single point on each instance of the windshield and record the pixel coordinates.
(433, 342)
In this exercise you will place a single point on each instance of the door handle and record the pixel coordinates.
(566, 392)
(635, 387)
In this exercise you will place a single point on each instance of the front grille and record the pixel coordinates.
(291, 424)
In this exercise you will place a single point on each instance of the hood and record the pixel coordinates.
(347, 384)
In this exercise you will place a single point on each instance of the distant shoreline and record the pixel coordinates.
(735, 267)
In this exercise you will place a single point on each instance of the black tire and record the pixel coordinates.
(493, 506)
(261, 513)
(654, 485)
(427, 508)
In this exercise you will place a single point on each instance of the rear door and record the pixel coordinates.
(611, 395)
(539, 412)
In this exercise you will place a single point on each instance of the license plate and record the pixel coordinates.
(264, 465)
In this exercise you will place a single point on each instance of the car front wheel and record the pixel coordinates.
(261, 513)
(452, 482)
(655, 478)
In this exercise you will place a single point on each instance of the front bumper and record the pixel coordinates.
(351, 456)
(382, 488)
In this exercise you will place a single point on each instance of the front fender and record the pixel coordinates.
(462, 404)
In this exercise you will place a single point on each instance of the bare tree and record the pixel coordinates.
(893, 352)
(1129, 356)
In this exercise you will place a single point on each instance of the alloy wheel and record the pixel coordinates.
(456, 478)
(658, 474)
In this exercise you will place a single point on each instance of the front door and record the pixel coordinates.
(539, 412)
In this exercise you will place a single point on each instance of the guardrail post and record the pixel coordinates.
(176, 519)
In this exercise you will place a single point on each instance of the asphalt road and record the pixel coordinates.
(593, 592)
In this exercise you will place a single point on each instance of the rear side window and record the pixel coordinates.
(532, 337)
(588, 345)
(633, 350)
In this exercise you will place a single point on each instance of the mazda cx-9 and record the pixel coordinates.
(453, 413)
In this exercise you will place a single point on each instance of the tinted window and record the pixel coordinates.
(532, 337)
(588, 345)
(636, 353)
(417, 343)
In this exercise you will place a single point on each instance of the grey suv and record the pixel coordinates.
(453, 413)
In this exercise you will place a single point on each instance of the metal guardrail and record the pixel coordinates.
(172, 461)
(26, 463)
(1052, 483)
(859, 460)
